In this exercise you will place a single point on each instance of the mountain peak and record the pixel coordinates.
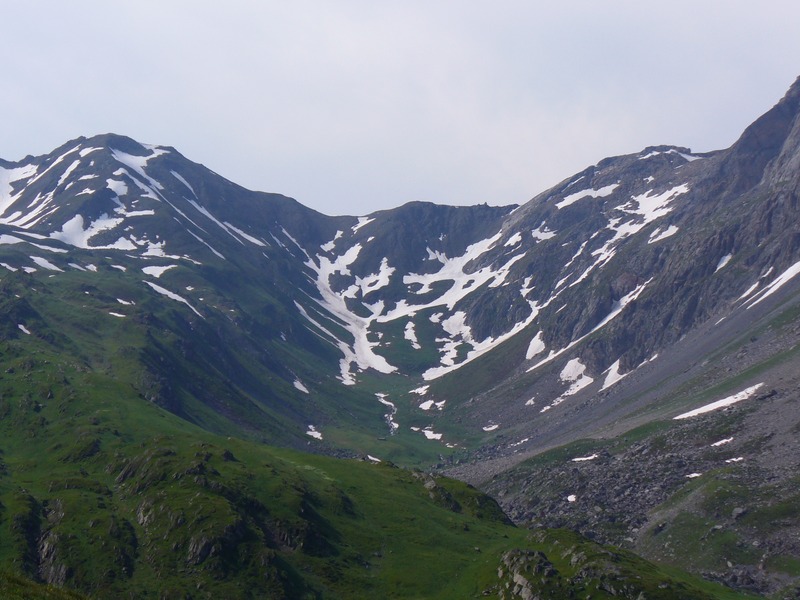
(793, 92)
(118, 142)
(764, 140)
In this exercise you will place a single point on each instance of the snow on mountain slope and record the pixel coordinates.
(488, 306)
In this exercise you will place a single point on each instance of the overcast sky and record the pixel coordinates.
(355, 106)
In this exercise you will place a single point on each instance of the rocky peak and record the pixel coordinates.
(764, 140)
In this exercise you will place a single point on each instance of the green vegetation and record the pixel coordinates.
(14, 587)
(112, 484)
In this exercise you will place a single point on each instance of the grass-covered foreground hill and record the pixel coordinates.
(109, 495)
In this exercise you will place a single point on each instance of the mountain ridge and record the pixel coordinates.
(466, 339)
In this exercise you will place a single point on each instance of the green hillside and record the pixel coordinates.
(105, 492)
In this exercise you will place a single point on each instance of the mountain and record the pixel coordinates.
(145, 294)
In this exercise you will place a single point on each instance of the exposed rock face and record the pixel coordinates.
(522, 573)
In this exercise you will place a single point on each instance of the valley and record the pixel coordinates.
(209, 387)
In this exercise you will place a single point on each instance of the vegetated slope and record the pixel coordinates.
(113, 496)
(14, 587)
(232, 295)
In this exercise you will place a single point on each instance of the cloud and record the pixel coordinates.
(353, 106)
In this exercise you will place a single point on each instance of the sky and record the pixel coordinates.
(354, 106)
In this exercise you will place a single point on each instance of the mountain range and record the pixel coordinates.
(617, 356)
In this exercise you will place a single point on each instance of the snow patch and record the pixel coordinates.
(775, 285)
(120, 188)
(299, 385)
(328, 246)
(67, 172)
(410, 334)
(514, 240)
(536, 347)
(371, 282)
(362, 221)
(155, 271)
(312, 431)
(10, 239)
(74, 234)
(361, 352)
(184, 182)
(389, 417)
(429, 404)
(206, 213)
(45, 264)
(686, 157)
(172, 296)
(645, 208)
(202, 241)
(722, 442)
(574, 372)
(429, 433)
(723, 261)
(589, 193)
(613, 376)
(23, 329)
(542, 233)
(8, 177)
(491, 427)
(138, 163)
(247, 236)
(455, 270)
(653, 207)
(743, 395)
(584, 458)
(750, 290)
(659, 235)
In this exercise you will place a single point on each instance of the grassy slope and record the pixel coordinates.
(14, 587)
(105, 492)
